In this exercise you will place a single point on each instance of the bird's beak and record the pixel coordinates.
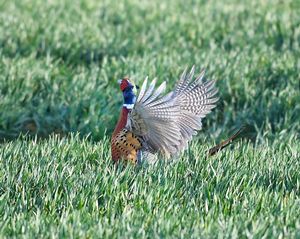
(119, 81)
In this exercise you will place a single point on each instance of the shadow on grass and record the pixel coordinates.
(29, 129)
(60, 121)
(83, 56)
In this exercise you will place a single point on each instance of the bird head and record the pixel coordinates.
(129, 91)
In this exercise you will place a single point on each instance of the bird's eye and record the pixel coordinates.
(137, 87)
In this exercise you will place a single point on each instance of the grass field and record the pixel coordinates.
(59, 102)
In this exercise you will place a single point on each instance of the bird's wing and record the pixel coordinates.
(196, 99)
(168, 122)
(154, 117)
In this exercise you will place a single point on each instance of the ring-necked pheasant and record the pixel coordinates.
(156, 123)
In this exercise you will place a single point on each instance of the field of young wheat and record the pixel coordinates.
(59, 103)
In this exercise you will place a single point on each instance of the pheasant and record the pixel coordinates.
(154, 123)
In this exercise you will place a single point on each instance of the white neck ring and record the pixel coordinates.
(128, 106)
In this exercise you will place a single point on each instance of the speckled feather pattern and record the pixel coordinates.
(126, 145)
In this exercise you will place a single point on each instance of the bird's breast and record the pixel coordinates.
(124, 144)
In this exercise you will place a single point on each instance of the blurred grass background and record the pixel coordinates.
(59, 62)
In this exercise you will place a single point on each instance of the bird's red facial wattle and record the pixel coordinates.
(127, 89)
(124, 83)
